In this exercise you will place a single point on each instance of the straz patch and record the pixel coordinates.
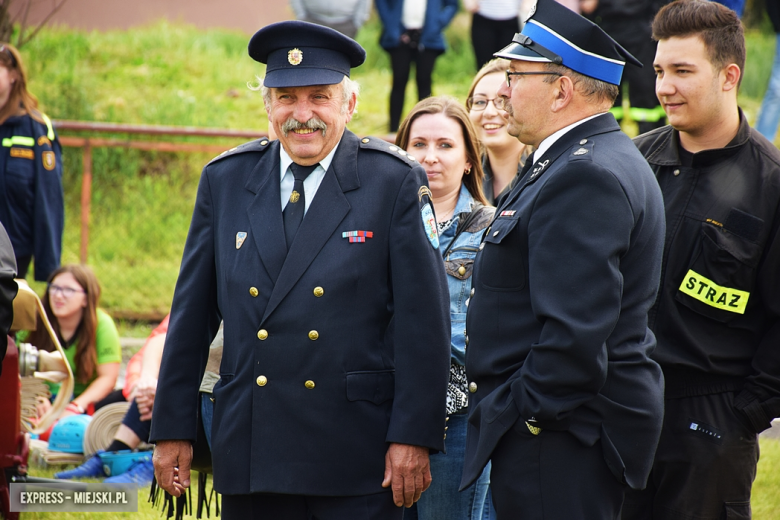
(708, 292)
(49, 160)
(24, 153)
(429, 223)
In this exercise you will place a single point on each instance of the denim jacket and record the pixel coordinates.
(459, 263)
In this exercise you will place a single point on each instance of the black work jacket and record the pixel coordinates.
(717, 317)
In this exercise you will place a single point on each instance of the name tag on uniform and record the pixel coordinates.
(712, 294)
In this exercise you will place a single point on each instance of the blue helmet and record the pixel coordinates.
(68, 434)
(118, 462)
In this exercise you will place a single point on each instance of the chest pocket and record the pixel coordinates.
(501, 261)
(721, 277)
(20, 175)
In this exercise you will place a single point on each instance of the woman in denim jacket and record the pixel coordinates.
(440, 135)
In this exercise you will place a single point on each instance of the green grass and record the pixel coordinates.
(765, 499)
(174, 74)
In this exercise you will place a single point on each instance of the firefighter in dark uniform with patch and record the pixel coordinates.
(319, 252)
(717, 318)
(31, 198)
(567, 404)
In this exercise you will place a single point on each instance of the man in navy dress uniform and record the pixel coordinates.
(565, 399)
(319, 252)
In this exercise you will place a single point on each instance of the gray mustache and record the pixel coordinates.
(315, 123)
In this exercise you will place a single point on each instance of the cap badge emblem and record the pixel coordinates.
(295, 56)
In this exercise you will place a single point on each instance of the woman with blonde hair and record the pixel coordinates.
(503, 155)
(31, 199)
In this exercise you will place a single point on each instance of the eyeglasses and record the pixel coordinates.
(479, 104)
(510, 73)
(66, 292)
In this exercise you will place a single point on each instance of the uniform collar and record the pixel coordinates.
(668, 153)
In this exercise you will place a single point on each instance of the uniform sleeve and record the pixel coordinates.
(49, 212)
(193, 324)
(107, 342)
(576, 289)
(421, 324)
(8, 290)
(760, 398)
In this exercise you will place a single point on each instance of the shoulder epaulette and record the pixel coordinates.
(375, 143)
(258, 145)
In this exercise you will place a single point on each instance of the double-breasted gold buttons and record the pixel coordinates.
(262, 334)
(309, 384)
(473, 387)
(313, 335)
(262, 380)
(254, 292)
(318, 292)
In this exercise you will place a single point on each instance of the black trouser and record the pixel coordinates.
(489, 36)
(552, 476)
(635, 36)
(271, 506)
(704, 466)
(401, 59)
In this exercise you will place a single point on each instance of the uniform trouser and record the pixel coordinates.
(489, 36)
(635, 36)
(704, 466)
(270, 506)
(552, 476)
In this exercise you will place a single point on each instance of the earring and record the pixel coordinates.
(467, 171)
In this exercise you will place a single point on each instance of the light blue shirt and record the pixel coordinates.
(312, 182)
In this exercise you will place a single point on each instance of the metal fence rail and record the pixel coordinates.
(87, 143)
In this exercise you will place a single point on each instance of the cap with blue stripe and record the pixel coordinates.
(555, 34)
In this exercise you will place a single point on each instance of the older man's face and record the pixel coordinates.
(309, 121)
(528, 102)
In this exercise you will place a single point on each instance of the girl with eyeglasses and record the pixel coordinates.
(31, 198)
(503, 156)
(87, 334)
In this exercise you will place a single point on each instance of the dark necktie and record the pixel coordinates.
(293, 212)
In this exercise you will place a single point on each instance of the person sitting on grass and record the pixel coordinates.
(136, 423)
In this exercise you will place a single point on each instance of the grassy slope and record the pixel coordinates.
(178, 75)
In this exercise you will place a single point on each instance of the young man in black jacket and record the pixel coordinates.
(717, 317)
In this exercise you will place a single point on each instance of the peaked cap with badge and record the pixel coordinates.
(555, 34)
(301, 54)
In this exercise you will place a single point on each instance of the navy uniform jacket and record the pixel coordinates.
(31, 198)
(557, 321)
(330, 352)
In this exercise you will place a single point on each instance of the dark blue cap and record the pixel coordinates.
(554, 33)
(301, 54)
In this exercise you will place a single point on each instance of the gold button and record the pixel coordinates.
(495, 233)
(262, 334)
(583, 141)
(309, 384)
(313, 335)
(262, 380)
(482, 246)
(467, 341)
(318, 292)
(264, 142)
(473, 387)
(461, 270)
(254, 292)
(676, 173)
(472, 291)
(365, 140)
(445, 435)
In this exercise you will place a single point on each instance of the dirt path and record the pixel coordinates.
(245, 15)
